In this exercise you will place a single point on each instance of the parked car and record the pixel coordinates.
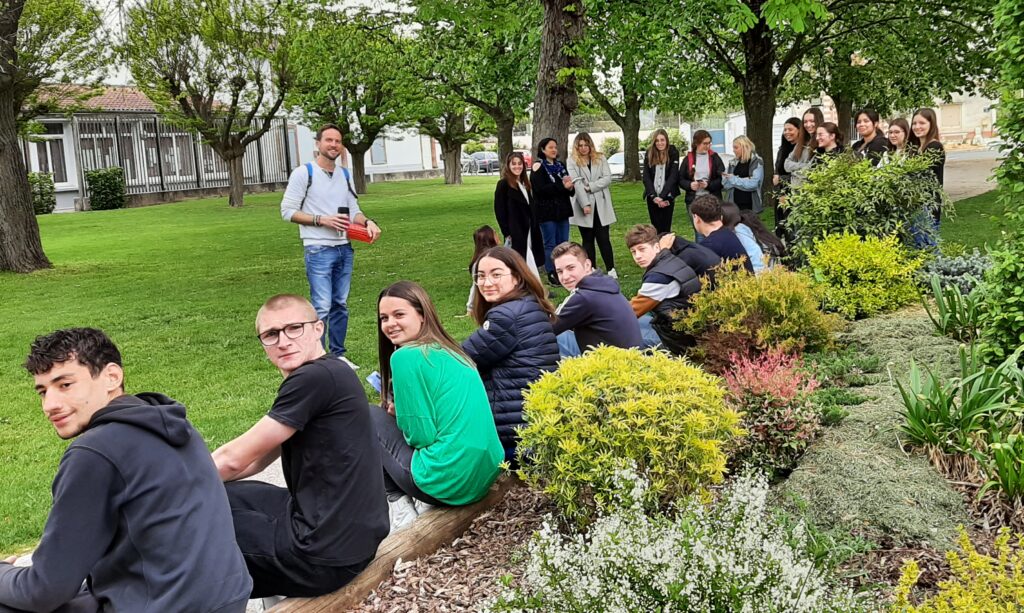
(617, 163)
(526, 157)
(469, 165)
(487, 161)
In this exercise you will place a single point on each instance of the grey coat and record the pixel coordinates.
(599, 198)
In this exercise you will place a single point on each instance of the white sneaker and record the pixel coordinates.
(613, 274)
(348, 362)
(422, 507)
(401, 512)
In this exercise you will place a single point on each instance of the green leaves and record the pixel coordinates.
(955, 315)
(795, 15)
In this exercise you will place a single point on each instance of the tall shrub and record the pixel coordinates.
(612, 408)
(611, 145)
(44, 198)
(845, 196)
(106, 188)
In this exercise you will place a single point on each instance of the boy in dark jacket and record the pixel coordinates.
(667, 286)
(707, 218)
(138, 508)
(595, 312)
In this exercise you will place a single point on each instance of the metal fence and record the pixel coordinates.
(159, 156)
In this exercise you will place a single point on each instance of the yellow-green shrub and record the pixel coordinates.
(754, 313)
(616, 409)
(980, 584)
(860, 277)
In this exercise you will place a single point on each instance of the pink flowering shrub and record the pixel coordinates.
(772, 391)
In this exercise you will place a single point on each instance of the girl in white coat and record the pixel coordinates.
(592, 204)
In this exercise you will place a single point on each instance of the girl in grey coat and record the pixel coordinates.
(592, 204)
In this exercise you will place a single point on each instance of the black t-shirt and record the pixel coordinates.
(339, 513)
(741, 198)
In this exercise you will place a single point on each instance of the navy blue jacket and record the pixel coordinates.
(723, 242)
(698, 257)
(139, 509)
(597, 312)
(513, 348)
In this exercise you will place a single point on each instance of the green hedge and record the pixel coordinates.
(44, 198)
(106, 188)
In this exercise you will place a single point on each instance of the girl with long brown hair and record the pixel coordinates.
(926, 140)
(661, 180)
(515, 210)
(438, 440)
(515, 343)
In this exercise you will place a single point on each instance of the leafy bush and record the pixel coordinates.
(844, 196)
(731, 556)
(106, 188)
(1002, 319)
(44, 198)
(845, 367)
(471, 147)
(611, 407)
(980, 584)
(1002, 463)
(956, 315)
(772, 391)
(963, 271)
(748, 314)
(861, 277)
(611, 145)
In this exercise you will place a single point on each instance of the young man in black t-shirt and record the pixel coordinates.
(320, 532)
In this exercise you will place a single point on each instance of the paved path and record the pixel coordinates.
(969, 173)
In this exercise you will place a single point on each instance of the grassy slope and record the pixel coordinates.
(177, 287)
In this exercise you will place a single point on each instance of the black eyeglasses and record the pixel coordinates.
(271, 337)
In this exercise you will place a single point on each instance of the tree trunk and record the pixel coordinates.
(357, 155)
(236, 178)
(760, 91)
(844, 110)
(21, 249)
(505, 123)
(555, 100)
(631, 140)
(451, 153)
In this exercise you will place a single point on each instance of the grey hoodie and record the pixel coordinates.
(139, 511)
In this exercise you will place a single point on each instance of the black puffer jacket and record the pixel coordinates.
(664, 269)
(513, 347)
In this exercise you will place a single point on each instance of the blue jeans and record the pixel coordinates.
(555, 233)
(567, 345)
(647, 331)
(329, 270)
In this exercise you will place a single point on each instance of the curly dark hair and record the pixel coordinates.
(92, 348)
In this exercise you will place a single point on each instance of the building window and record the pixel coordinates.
(378, 154)
(50, 152)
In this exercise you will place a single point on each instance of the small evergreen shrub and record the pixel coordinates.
(471, 147)
(731, 556)
(106, 188)
(860, 277)
(1002, 309)
(612, 407)
(748, 314)
(772, 391)
(44, 198)
(611, 145)
(980, 584)
(843, 195)
(963, 271)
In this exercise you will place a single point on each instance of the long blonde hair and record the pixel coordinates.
(595, 155)
(746, 146)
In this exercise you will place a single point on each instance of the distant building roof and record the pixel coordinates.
(111, 99)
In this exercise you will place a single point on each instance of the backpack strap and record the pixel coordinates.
(309, 182)
(348, 182)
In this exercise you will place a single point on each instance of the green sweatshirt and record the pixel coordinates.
(442, 409)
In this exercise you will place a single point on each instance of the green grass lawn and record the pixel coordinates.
(177, 287)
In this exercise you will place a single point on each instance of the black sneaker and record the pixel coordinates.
(553, 280)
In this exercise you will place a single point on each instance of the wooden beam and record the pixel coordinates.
(430, 531)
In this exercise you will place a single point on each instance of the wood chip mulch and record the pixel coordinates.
(467, 573)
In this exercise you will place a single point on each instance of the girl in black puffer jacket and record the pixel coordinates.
(516, 342)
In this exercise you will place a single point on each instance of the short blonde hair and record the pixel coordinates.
(746, 146)
(283, 301)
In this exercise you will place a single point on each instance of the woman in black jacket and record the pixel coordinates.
(830, 142)
(872, 144)
(700, 172)
(926, 140)
(552, 194)
(661, 181)
(515, 343)
(514, 210)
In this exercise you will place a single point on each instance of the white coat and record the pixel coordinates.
(598, 178)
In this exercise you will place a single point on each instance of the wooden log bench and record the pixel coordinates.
(430, 531)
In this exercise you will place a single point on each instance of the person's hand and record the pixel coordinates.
(725, 175)
(388, 406)
(657, 200)
(694, 185)
(10, 560)
(663, 204)
(667, 241)
(775, 179)
(587, 210)
(567, 182)
(372, 229)
(335, 222)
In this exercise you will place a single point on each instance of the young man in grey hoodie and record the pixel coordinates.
(139, 513)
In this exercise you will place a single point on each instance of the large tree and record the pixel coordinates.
(52, 41)
(485, 52)
(451, 122)
(759, 43)
(345, 74)
(631, 61)
(555, 99)
(219, 67)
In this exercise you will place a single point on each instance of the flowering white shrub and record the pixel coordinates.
(729, 556)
